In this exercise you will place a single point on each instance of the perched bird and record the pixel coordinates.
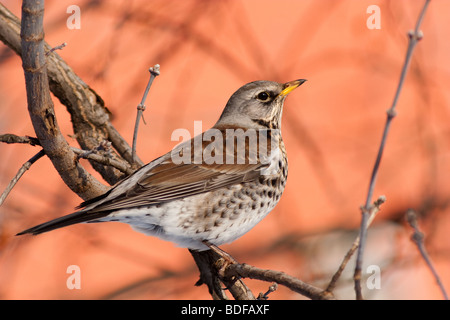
(209, 190)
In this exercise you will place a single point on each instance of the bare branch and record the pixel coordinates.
(264, 296)
(414, 37)
(107, 161)
(208, 263)
(417, 238)
(60, 47)
(12, 138)
(154, 72)
(296, 285)
(40, 106)
(89, 116)
(19, 174)
(373, 212)
(222, 266)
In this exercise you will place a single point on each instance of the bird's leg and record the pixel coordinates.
(226, 256)
(227, 259)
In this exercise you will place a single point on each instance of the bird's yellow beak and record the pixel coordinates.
(291, 85)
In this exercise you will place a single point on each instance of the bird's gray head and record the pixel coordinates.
(257, 104)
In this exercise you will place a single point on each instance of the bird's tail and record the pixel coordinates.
(73, 218)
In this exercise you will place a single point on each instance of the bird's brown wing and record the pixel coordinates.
(165, 181)
(169, 181)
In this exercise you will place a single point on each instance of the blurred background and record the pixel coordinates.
(332, 127)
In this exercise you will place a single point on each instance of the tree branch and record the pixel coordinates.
(89, 116)
(296, 285)
(19, 174)
(154, 72)
(85, 154)
(12, 138)
(417, 238)
(414, 37)
(214, 270)
(40, 106)
(209, 263)
(107, 161)
(375, 208)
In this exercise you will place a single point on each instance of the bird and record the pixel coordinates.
(209, 190)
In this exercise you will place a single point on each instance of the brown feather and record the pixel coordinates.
(168, 181)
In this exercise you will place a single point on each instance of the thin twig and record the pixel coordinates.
(107, 161)
(264, 296)
(19, 174)
(414, 37)
(60, 47)
(154, 72)
(90, 118)
(296, 285)
(90, 155)
(373, 212)
(12, 138)
(417, 238)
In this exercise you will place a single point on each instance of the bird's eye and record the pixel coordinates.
(263, 96)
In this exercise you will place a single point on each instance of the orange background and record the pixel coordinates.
(332, 127)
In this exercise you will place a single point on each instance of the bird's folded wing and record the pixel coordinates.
(169, 181)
